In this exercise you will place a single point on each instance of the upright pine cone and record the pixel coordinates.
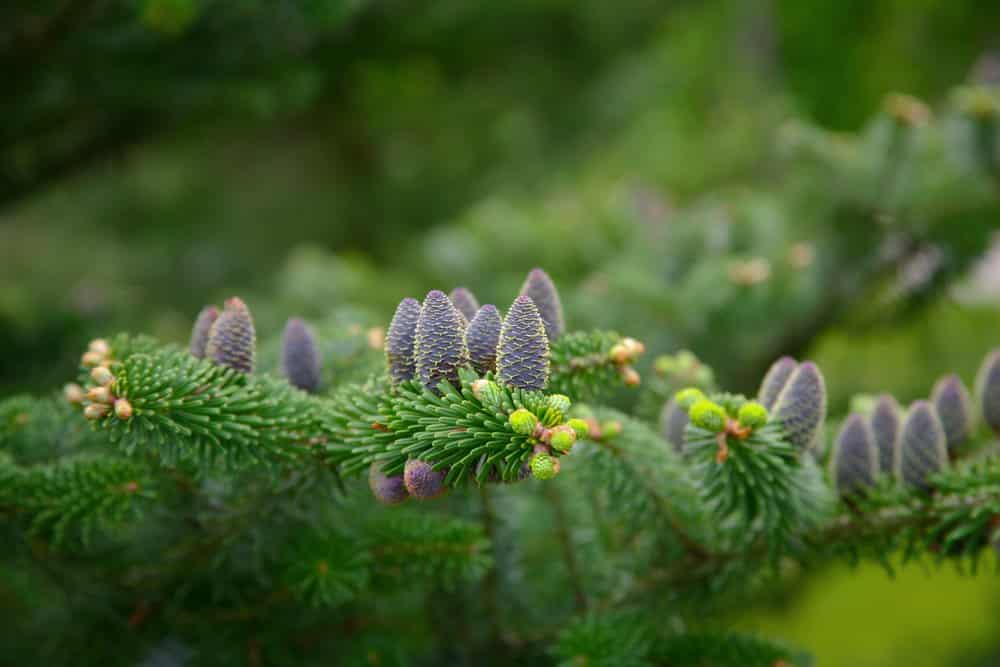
(954, 407)
(232, 340)
(801, 405)
(523, 352)
(886, 422)
(202, 326)
(988, 390)
(399, 342)
(673, 421)
(465, 302)
(923, 449)
(543, 292)
(440, 341)
(855, 460)
(774, 381)
(482, 338)
(300, 357)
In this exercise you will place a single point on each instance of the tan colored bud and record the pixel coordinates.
(100, 395)
(73, 393)
(376, 338)
(619, 354)
(92, 359)
(100, 346)
(96, 411)
(102, 376)
(635, 347)
(123, 409)
(630, 376)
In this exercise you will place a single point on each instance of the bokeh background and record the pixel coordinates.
(728, 176)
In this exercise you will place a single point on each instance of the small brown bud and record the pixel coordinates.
(634, 347)
(102, 376)
(630, 376)
(101, 395)
(100, 346)
(96, 411)
(376, 338)
(619, 354)
(131, 487)
(123, 409)
(73, 393)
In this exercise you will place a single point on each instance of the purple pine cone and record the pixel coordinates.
(673, 421)
(482, 338)
(523, 352)
(543, 292)
(923, 449)
(855, 463)
(886, 422)
(232, 340)
(300, 358)
(988, 390)
(422, 481)
(399, 342)
(202, 326)
(775, 380)
(387, 490)
(465, 302)
(954, 407)
(440, 342)
(801, 405)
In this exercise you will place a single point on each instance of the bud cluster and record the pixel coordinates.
(623, 355)
(728, 416)
(97, 398)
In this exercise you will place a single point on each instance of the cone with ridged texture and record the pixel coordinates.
(886, 423)
(422, 481)
(923, 449)
(482, 338)
(988, 390)
(199, 332)
(232, 341)
(387, 490)
(774, 381)
(399, 356)
(954, 408)
(673, 421)
(523, 352)
(440, 342)
(465, 302)
(801, 405)
(543, 293)
(300, 357)
(855, 462)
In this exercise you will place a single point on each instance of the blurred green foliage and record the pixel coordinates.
(324, 157)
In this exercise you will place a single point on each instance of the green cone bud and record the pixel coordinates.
(579, 427)
(199, 333)
(399, 342)
(611, 429)
(801, 406)
(465, 302)
(232, 340)
(544, 467)
(775, 380)
(855, 463)
(988, 390)
(923, 448)
(708, 415)
(886, 423)
(687, 397)
(563, 438)
(954, 407)
(543, 293)
(300, 359)
(523, 352)
(523, 421)
(422, 481)
(440, 342)
(482, 338)
(673, 421)
(753, 415)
